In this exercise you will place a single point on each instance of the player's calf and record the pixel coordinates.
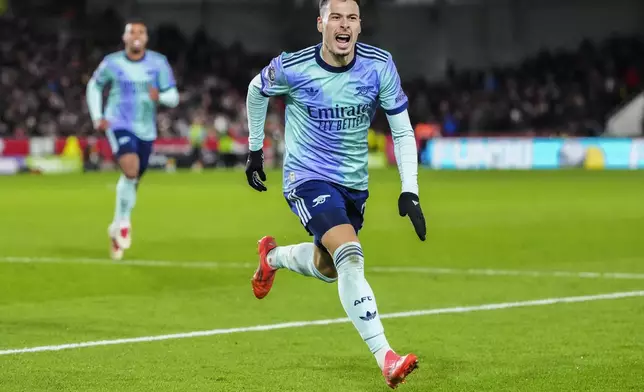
(323, 262)
(126, 189)
(305, 259)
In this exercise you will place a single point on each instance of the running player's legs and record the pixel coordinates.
(336, 229)
(349, 223)
(125, 147)
(356, 295)
(334, 215)
(344, 213)
(355, 202)
(144, 151)
(320, 206)
(308, 201)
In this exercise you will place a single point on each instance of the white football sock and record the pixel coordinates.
(358, 300)
(125, 199)
(297, 258)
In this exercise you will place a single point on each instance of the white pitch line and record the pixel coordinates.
(298, 324)
(140, 263)
(404, 269)
(495, 272)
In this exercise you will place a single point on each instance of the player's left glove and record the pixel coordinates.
(409, 205)
(255, 170)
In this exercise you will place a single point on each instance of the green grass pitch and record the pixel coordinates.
(502, 221)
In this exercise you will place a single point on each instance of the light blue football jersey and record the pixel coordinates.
(129, 106)
(329, 111)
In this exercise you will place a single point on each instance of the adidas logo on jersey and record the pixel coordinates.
(312, 92)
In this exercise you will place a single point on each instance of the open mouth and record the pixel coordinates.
(343, 38)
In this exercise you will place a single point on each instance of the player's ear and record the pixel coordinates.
(320, 26)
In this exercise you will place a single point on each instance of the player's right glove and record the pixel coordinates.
(409, 205)
(255, 170)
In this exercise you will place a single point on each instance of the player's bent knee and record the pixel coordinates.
(349, 260)
(129, 176)
(129, 164)
(337, 236)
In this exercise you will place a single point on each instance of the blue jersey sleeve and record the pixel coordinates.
(166, 77)
(274, 81)
(392, 97)
(102, 75)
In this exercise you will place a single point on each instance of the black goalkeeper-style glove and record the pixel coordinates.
(409, 205)
(255, 170)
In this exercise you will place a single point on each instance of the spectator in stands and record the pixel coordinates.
(43, 77)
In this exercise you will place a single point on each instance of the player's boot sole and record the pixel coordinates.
(262, 280)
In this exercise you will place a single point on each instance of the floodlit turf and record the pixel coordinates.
(537, 221)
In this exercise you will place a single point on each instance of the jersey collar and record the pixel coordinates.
(329, 67)
(145, 53)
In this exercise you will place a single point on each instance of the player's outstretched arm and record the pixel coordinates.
(407, 160)
(256, 107)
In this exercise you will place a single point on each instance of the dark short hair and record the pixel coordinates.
(134, 21)
(323, 3)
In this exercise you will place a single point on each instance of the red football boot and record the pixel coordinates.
(397, 368)
(265, 274)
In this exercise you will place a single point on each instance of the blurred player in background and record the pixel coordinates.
(139, 79)
(197, 136)
(333, 92)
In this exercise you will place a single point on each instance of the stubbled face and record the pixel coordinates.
(135, 37)
(339, 23)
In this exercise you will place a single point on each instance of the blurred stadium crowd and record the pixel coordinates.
(43, 78)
